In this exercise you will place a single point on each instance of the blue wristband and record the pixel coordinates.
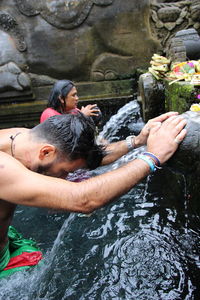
(148, 161)
(155, 158)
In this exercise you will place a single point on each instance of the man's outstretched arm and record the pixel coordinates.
(116, 150)
(21, 186)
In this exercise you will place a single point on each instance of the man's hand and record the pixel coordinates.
(164, 139)
(141, 139)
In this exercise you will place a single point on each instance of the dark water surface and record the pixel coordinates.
(142, 246)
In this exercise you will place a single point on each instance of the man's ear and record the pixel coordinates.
(47, 152)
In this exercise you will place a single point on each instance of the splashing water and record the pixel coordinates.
(128, 119)
(142, 246)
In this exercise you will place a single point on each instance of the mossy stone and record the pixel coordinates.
(179, 96)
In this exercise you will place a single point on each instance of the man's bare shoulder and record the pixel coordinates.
(7, 159)
(9, 167)
(10, 131)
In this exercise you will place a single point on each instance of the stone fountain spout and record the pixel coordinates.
(187, 157)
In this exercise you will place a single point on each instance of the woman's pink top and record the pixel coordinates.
(49, 112)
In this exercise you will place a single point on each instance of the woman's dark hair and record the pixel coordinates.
(73, 136)
(61, 88)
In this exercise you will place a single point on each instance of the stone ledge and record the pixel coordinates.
(108, 95)
(28, 114)
(93, 90)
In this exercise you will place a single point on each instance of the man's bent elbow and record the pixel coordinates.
(87, 206)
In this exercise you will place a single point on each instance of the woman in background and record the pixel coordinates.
(63, 99)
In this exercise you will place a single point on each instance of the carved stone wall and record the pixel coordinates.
(75, 39)
(89, 39)
(83, 40)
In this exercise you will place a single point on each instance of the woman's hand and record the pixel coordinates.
(141, 139)
(90, 110)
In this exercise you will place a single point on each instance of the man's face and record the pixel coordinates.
(60, 168)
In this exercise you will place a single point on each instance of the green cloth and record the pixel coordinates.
(4, 257)
(15, 246)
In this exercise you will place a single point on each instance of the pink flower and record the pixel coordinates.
(191, 64)
(198, 96)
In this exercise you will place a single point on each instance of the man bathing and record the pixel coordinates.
(62, 144)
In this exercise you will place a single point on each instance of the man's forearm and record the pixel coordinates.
(114, 151)
(32, 189)
(102, 189)
(93, 193)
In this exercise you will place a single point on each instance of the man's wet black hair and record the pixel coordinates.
(60, 89)
(73, 136)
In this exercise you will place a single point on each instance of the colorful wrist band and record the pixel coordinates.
(154, 158)
(149, 161)
(130, 142)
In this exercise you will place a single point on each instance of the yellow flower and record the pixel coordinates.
(195, 107)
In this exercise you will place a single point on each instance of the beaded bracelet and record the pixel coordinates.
(149, 161)
(155, 158)
(130, 142)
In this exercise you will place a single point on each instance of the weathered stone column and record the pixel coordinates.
(187, 157)
(186, 160)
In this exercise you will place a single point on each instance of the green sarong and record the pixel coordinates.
(19, 254)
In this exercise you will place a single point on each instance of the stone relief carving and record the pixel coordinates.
(68, 14)
(169, 17)
(26, 7)
(10, 25)
(64, 14)
(108, 49)
(13, 78)
(110, 66)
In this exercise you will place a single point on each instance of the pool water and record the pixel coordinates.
(143, 246)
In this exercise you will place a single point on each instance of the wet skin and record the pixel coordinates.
(55, 168)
